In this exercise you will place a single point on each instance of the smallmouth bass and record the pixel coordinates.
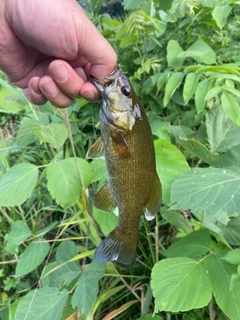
(133, 184)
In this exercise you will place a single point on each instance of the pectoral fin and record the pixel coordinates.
(154, 201)
(120, 146)
(103, 199)
(96, 150)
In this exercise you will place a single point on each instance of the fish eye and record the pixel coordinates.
(126, 90)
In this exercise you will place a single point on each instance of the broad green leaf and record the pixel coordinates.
(222, 132)
(32, 257)
(230, 159)
(19, 232)
(231, 90)
(230, 232)
(173, 50)
(162, 79)
(64, 182)
(24, 135)
(201, 52)
(192, 245)
(132, 4)
(54, 133)
(220, 14)
(171, 86)
(42, 304)
(190, 85)
(106, 220)
(11, 102)
(99, 169)
(175, 218)
(17, 184)
(159, 128)
(87, 288)
(174, 279)
(220, 273)
(233, 256)
(64, 271)
(231, 107)
(200, 94)
(212, 93)
(170, 164)
(207, 189)
(198, 149)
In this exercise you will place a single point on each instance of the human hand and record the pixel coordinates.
(49, 49)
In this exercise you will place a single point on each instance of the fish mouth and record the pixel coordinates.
(102, 84)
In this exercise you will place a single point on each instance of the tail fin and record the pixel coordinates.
(119, 245)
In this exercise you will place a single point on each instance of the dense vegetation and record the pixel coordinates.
(183, 58)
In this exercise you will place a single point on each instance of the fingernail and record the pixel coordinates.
(59, 72)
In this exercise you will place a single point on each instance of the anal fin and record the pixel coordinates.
(103, 199)
(153, 204)
(96, 150)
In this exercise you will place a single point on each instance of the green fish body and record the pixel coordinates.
(133, 184)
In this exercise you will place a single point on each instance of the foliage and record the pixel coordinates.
(182, 58)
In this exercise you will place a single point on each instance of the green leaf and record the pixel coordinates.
(132, 4)
(175, 278)
(170, 164)
(200, 94)
(207, 189)
(32, 257)
(190, 85)
(63, 180)
(150, 317)
(229, 160)
(220, 14)
(201, 52)
(173, 50)
(198, 149)
(64, 271)
(222, 132)
(213, 92)
(54, 133)
(192, 245)
(231, 107)
(17, 184)
(24, 134)
(42, 304)
(220, 273)
(11, 101)
(99, 169)
(19, 232)
(87, 288)
(162, 79)
(171, 86)
(175, 218)
(106, 220)
(232, 256)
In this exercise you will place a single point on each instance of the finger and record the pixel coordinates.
(66, 78)
(73, 81)
(53, 93)
(33, 93)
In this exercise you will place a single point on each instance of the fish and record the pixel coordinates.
(133, 184)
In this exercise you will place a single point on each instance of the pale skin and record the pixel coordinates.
(49, 49)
